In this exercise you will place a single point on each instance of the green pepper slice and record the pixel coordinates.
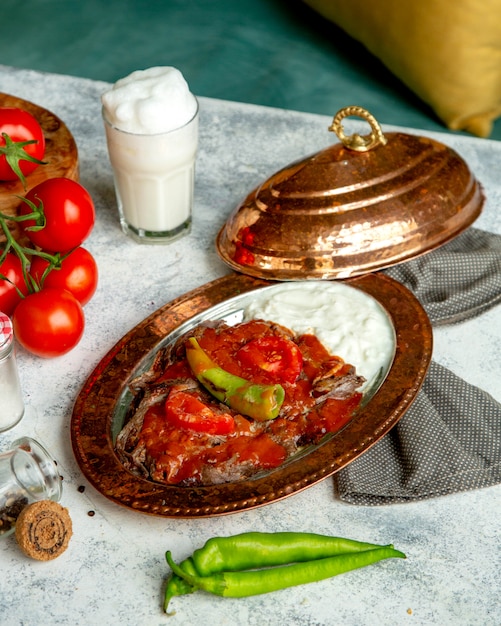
(261, 402)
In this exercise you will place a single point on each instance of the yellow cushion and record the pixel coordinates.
(447, 51)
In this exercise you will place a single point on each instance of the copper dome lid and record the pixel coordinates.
(358, 206)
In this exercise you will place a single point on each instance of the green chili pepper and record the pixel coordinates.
(255, 582)
(255, 549)
(177, 586)
(261, 402)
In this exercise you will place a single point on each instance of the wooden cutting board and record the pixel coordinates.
(61, 155)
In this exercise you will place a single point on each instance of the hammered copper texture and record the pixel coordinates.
(91, 423)
(61, 157)
(342, 213)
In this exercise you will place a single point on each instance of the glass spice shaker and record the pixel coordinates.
(11, 399)
(27, 474)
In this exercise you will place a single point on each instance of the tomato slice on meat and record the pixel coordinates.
(186, 411)
(278, 357)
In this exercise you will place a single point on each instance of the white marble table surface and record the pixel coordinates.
(113, 570)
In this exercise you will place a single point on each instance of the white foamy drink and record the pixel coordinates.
(151, 123)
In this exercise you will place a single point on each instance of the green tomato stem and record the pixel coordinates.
(14, 152)
(24, 254)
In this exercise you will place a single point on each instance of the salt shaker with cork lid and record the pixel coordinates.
(11, 399)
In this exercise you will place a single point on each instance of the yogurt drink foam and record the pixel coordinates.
(151, 123)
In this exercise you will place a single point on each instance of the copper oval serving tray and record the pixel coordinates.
(61, 157)
(361, 205)
(103, 397)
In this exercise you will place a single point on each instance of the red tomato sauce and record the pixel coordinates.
(187, 456)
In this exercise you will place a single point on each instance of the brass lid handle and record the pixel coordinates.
(358, 142)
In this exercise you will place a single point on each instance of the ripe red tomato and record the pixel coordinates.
(20, 126)
(186, 411)
(49, 323)
(68, 215)
(12, 269)
(279, 358)
(77, 273)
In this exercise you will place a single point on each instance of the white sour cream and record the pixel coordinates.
(350, 323)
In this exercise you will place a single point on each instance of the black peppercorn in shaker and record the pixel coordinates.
(27, 474)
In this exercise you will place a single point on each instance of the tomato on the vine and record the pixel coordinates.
(49, 322)
(77, 273)
(186, 411)
(11, 269)
(277, 357)
(66, 215)
(22, 143)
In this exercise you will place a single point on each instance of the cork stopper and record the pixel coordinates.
(43, 530)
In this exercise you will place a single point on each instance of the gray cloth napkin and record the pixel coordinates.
(457, 281)
(450, 438)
